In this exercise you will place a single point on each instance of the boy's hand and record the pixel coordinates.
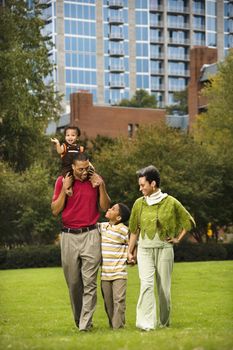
(54, 140)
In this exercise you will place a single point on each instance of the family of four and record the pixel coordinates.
(157, 221)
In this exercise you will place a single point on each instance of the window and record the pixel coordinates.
(211, 39)
(142, 66)
(142, 50)
(130, 130)
(142, 4)
(142, 81)
(211, 24)
(141, 34)
(141, 17)
(211, 8)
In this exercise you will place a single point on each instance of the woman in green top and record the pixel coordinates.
(157, 221)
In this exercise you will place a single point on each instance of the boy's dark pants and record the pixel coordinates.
(114, 294)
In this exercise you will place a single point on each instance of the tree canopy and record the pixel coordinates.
(181, 103)
(214, 128)
(188, 171)
(27, 96)
(141, 99)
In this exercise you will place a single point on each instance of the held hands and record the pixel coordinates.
(132, 257)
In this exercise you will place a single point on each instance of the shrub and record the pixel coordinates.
(30, 256)
(50, 255)
(200, 252)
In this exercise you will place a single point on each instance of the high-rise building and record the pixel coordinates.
(113, 47)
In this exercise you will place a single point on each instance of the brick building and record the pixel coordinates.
(109, 121)
(201, 58)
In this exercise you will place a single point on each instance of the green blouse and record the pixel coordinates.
(167, 218)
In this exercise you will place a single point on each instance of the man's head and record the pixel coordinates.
(148, 179)
(72, 134)
(81, 166)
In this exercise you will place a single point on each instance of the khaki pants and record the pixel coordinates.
(81, 256)
(114, 294)
(153, 261)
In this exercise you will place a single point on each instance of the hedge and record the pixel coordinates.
(30, 256)
(47, 256)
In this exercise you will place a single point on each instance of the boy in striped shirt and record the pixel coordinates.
(114, 244)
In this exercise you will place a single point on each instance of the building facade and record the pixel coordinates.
(203, 66)
(113, 47)
(110, 121)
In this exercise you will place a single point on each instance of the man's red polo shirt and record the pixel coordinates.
(81, 209)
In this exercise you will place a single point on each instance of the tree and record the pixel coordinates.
(214, 129)
(27, 100)
(181, 103)
(188, 172)
(141, 99)
(25, 214)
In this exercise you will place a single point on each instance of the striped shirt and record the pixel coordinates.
(114, 243)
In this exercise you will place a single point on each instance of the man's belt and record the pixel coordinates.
(79, 230)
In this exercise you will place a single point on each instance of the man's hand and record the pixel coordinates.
(96, 180)
(67, 182)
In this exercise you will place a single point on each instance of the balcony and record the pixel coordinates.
(157, 71)
(199, 27)
(115, 4)
(178, 57)
(156, 39)
(178, 25)
(157, 87)
(176, 88)
(116, 68)
(180, 73)
(116, 84)
(157, 55)
(199, 42)
(116, 20)
(156, 24)
(116, 36)
(116, 52)
(179, 41)
(178, 9)
(198, 11)
(156, 8)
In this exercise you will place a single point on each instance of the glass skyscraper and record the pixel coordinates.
(113, 47)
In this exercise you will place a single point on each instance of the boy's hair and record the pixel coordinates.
(151, 173)
(72, 128)
(124, 212)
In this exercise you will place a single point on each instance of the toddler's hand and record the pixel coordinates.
(54, 140)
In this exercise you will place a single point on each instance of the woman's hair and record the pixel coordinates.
(151, 173)
(124, 212)
(72, 128)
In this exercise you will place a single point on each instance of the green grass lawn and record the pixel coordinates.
(35, 312)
